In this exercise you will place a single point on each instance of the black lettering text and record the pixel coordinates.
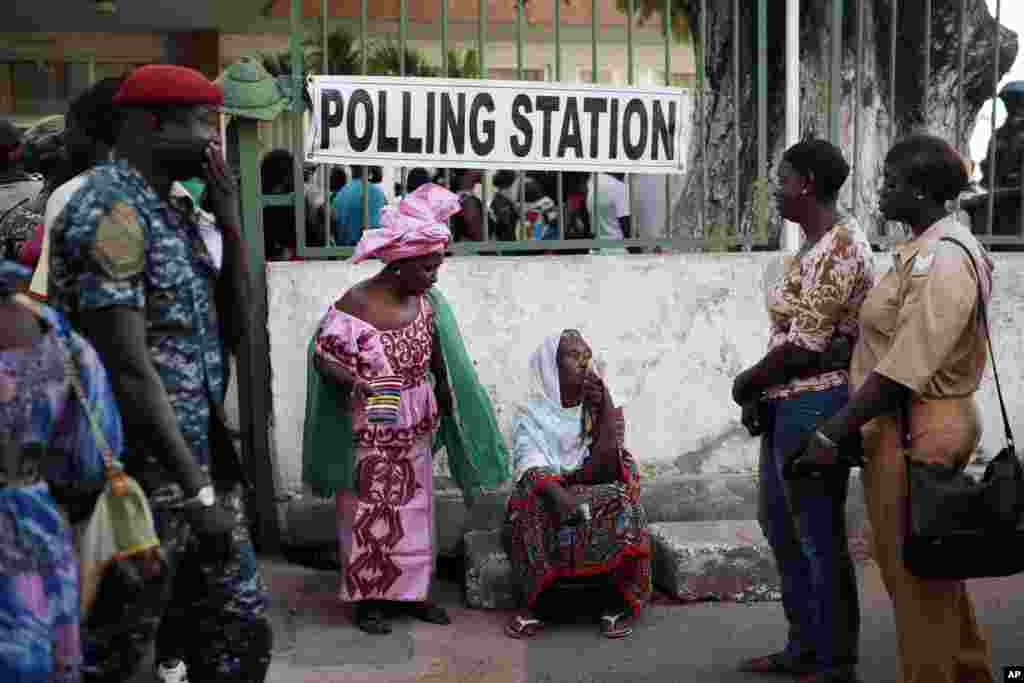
(385, 143)
(613, 126)
(331, 108)
(453, 123)
(360, 143)
(482, 146)
(410, 145)
(634, 109)
(664, 131)
(430, 122)
(547, 104)
(570, 137)
(595, 106)
(521, 104)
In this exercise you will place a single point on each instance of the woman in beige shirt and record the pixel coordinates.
(920, 345)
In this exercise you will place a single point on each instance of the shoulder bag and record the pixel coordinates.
(957, 527)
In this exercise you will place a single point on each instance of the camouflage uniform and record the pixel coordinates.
(120, 244)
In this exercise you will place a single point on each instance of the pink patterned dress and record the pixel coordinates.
(385, 527)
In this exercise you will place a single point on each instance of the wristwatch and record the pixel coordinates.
(206, 496)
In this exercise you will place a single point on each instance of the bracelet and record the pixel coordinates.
(820, 436)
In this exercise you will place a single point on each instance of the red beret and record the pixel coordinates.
(168, 84)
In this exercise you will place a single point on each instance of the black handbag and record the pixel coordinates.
(957, 527)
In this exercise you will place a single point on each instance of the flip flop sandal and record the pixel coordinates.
(615, 626)
(432, 614)
(371, 620)
(522, 628)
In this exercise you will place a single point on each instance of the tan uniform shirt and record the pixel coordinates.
(919, 325)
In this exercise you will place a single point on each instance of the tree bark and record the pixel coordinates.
(919, 106)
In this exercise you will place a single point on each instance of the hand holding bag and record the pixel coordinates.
(959, 528)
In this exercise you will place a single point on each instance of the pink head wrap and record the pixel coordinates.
(416, 228)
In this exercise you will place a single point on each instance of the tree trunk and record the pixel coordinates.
(913, 111)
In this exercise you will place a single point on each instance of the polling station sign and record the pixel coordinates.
(524, 125)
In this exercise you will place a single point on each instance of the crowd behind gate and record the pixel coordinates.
(119, 321)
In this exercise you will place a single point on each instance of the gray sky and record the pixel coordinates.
(1013, 18)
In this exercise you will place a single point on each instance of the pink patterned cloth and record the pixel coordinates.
(385, 527)
(416, 228)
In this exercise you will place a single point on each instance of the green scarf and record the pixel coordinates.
(477, 455)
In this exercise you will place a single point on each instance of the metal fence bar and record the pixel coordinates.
(364, 49)
(961, 60)
(403, 45)
(326, 59)
(482, 50)
(445, 66)
(519, 74)
(927, 50)
(595, 219)
(992, 139)
(835, 79)
(858, 84)
(736, 114)
(762, 108)
(668, 81)
(702, 142)
(295, 57)
(894, 18)
(559, 179)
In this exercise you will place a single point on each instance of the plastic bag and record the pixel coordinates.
(121, 528)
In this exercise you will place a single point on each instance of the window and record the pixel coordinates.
(679, 80)
(41, 88)
(603, 76)
(512, 74)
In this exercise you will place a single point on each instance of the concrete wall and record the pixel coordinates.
(675, 330)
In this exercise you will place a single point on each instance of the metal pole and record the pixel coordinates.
(835, 87)
(668, 81)
(791, 231)
(736, 215)
(326, 59)
(519, 74)
(894, 19)
(364, 49)
(445, 67)
(482, 48)
(858, 81)
(595, 220)
(403, 37)
(701, 120)
(961, 59)
(927, 49)
(992, 136)
(560, 181)
(762, 107)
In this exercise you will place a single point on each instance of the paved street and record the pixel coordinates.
(316, 642)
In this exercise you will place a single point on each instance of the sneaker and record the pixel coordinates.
(172, 671)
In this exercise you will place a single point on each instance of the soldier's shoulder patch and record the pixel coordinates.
(120, 245)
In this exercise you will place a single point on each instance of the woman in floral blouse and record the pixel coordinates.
(801, 381)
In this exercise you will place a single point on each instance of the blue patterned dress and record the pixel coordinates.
(39, 623)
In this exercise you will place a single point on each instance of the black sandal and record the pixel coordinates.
(428, 612)
(370, 619)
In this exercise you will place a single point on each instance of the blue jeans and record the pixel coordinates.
(805, 524)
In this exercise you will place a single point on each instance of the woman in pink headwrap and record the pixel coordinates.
(374, 350)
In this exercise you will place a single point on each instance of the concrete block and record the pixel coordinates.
(490, 581)
(724, 561)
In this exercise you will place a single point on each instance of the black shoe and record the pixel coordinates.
(428, 612)
(370, 618)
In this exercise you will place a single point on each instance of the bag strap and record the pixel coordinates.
(983, 315)
(71, 375)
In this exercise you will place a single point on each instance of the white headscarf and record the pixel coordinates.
(544, 433)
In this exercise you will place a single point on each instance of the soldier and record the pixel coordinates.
(135, 277)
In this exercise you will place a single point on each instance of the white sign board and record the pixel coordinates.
(520, 125)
